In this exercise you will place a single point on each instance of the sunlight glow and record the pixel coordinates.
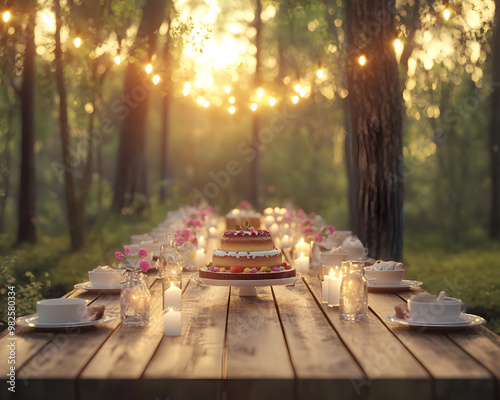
(232, 99)
(260, 92)
(362, 60)
(232, 110)
(446, 14)
(156, 79)
(149, 68)
(118, 60)
(6, 16)
(77, 42)
(272, 101)
(227, 89)
(253, 106)
(295, 99)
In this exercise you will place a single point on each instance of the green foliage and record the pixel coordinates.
(27, 288)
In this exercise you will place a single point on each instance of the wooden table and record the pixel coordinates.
(282, 344)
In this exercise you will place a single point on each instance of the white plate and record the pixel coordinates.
(465, 321)
(247, 283)
(404, 284)
(88, 286)
(32, 321)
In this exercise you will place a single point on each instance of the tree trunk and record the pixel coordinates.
(131, 173)
(6, 165)
(494, 129)
(255, 166)
(74, 208)
(376, 122)
(27, 192)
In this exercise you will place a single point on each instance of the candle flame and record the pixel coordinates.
(170, 309)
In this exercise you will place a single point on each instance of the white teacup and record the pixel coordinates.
(448, 309)
(105, 277)
(61, 310)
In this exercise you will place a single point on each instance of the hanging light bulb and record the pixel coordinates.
(362, 60)
(253, 106)
(227, 89)
(156, 79)
(232, 110)
(232, 99)
(319, 73)
(260, 92)
(297, 87)
(272, 101)
(206, 103)
(149, 68)
(6, 16)
(185, 91)
(77, 42)
(295, 99)
(446, 14)
(118, 60)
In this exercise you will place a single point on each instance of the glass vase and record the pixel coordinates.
(354, 292)
(135, 300)
(187, 251)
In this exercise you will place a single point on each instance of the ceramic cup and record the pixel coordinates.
(447, 310)
(61, 310)
(385, 277)
(105, 278)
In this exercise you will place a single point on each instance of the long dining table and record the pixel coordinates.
(283, 343)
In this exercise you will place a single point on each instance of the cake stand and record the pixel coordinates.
(247, 287)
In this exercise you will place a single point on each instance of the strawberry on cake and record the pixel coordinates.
(247, 254)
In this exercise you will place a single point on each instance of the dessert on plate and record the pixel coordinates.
(247, 254)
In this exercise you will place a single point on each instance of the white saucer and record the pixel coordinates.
(465, 321)
(404, 284)
(32, 321)
(88, 286)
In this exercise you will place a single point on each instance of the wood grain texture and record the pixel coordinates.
(321, 362)
(456, 374)
(388, 365)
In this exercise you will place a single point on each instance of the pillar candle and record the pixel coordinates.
(301, 264)
(274, 230)
(285, 242)
(334, 282)
(172, 323)
(199, 259)
(172, 298)
(303, 247)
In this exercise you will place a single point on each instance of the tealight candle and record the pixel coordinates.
(172, 323)
(301, 264)
(303, 247)
(172, 298)
(199, 259)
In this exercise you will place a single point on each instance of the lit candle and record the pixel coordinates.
(172, 298)
(172, 324)
(199, 259)
(285, 242)
(201, 242)
(274, 230)
(268, 221)
(301, 264)
(333, 288)
(212, 232)
(303, 247)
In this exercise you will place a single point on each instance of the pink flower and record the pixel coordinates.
(318, 237)
(312, 214)
(144, 265)
(142, 253)
(245, 205)
(127, 250)
(118, 255)
(331, 229)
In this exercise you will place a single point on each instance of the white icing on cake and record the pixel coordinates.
(248, 255)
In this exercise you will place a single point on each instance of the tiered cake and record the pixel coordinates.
(247, 254)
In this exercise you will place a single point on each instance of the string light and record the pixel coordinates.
(149, 68)
(156, 79)
(319, 73)
(232, 110)
(260, 92)
(446, 14)
(302, 92)
(200, 100)
(232, 99)
(118, 60)
(295, 99)
(77, 42)
(272, 101)
(253, 106)
(185, 92)
(206, 103)
(6, 16)
(227, 89)
(297, 87)
(362, 60)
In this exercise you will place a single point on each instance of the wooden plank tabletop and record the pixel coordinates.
(282, 344)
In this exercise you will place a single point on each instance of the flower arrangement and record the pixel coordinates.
(185, 235)
(141, 253)
(312, 232)
(245, 205)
